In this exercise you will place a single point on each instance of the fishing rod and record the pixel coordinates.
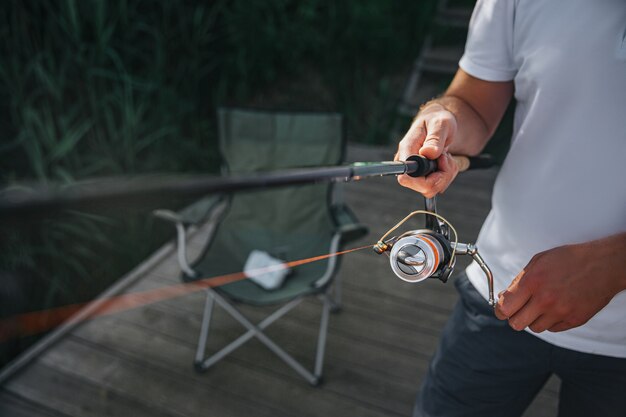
(19, 200)
(414, 255)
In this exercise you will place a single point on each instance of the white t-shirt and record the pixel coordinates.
(564, 178)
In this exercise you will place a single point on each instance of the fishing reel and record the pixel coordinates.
(429, 253)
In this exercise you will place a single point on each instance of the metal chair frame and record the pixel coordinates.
(329, 294)
(209, 211)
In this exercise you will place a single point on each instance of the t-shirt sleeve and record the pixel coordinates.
(489, 47)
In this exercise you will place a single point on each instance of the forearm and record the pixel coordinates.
(610, 255)
(478, 107)
(472, 134)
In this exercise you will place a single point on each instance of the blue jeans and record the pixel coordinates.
(484, 368)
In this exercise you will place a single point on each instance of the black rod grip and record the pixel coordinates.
(423, 166)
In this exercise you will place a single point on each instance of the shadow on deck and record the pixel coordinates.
(139, 362)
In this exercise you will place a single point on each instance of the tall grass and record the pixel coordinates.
(119, 87)
(96, 88)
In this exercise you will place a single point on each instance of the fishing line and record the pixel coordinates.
(35, 322)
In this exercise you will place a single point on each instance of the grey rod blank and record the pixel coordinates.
(116, 191)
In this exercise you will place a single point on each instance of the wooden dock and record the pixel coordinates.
(139, 362)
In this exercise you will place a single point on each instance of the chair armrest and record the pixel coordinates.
(193, 214)
(347, 224)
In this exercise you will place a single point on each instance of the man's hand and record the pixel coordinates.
(460, 123)
(564, 287)
(430, 135)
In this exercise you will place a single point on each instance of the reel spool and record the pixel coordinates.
(419, 255)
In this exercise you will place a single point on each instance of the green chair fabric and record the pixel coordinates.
(288, 223)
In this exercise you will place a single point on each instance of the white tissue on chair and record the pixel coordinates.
(264, 270)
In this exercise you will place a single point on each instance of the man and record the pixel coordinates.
(556, 235)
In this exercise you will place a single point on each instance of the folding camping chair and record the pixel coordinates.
(287, 223)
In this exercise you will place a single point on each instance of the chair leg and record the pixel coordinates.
(321, 338)
(216, 357)
(335, 306)
(256, 331)
(204, 364)
(204, 329)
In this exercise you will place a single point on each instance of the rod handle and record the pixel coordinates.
(425, 166)
(465, 163)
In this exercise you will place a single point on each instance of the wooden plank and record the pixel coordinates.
(344, 370)
(165, 391)
(478, 182)
(76, 320)
(12, 405)
(74, 395)
(179, 388)
(346, 385)
(342, 349)
(379, 279)
(424, 307)
(363, 324)
(395, 362)
(162, 315)
(466, 218)
(464, 208)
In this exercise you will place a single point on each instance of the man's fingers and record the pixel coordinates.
(543, 323)
(525, 316)
(428, 186)
(513, 298)
(436, 182)
(411, 142)
(447, 165)
(560, 327)
(435, 140)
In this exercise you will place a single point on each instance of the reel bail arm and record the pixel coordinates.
(472, 250)
(429, 253)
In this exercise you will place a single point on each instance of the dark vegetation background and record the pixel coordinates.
(93, 88)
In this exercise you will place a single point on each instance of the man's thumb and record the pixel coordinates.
(432, 147)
